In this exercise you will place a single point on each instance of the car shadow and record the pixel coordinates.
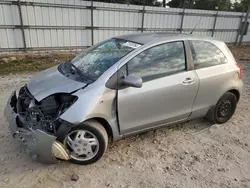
(17, 160)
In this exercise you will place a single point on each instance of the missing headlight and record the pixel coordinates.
(67, 100)
(45, 114)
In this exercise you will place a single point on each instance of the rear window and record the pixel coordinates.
(206, 54)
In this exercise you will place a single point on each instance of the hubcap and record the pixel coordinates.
(83, 145)
(224, 108)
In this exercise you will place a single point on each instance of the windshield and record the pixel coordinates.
(96, 61)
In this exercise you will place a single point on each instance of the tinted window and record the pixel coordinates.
(206, 54)
(158, 61)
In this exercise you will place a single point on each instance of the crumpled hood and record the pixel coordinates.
(51, 81)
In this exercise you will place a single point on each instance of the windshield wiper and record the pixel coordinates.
(118, 45)
(79, 72)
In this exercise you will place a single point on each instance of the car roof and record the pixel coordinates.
(145, 38)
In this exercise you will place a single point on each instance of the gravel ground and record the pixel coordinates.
(191, 154)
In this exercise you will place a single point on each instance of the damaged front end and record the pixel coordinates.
(37, 123)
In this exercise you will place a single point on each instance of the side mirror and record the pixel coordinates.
(132, 81)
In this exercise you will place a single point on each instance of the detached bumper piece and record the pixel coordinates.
(59, 152)
(37, 143)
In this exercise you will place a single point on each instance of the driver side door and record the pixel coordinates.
(167, 93)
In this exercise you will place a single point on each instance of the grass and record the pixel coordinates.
(32, 63)
(23, 66)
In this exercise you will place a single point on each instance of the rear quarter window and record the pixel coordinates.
(206, 54)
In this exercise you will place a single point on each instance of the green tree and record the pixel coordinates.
(134, 2)
(211, 4)
(241, 6)
(201, 4)
(176, 3)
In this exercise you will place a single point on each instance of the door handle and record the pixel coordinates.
(188, 81)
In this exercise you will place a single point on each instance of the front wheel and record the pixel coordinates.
(224, 109)
(86, 142)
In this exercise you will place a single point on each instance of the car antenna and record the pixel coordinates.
(196, 24)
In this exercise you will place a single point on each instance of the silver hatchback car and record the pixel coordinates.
(123, 86)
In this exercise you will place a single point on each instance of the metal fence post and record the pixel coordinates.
(142, 18)
(92, 23)
(245, 25)
(215, 20)
(182, 18)
(21, 25)
(239, 30)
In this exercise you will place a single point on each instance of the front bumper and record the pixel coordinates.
(37, 143)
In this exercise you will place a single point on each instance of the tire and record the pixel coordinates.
(94, 129)
(220, 114)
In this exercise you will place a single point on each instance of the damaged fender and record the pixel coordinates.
(38, 143)
(101, 104)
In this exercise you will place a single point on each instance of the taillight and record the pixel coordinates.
(240, 70)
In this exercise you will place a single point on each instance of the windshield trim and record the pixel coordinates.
(128, 41)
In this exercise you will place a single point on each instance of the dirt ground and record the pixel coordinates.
(192, 154)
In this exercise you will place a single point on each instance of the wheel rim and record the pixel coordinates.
(225, 108)
(83, 145)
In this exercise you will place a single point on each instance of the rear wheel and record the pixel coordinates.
(224, 109)
(86, 142)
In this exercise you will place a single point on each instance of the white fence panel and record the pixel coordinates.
(8, 38)
(106, 18)
(226, 36)
(41, 38)
(227, 23)
(156, 17)
(202, 18)
(53, 24)
(161, 21)
(118, 17)
(9, 15)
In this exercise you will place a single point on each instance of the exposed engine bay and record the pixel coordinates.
(43, 115)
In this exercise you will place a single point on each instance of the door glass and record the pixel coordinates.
(159, 61)
(206, 54)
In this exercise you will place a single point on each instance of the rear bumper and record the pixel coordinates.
(37, 143)
(241, 87)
